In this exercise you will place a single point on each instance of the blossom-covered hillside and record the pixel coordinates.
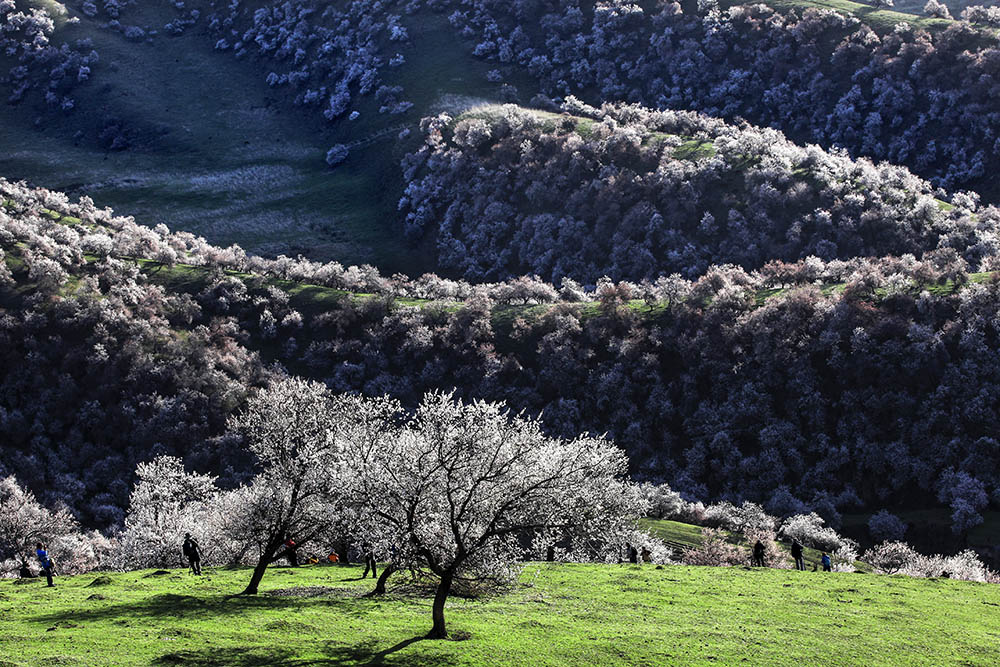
(635, 194)
(810, 385)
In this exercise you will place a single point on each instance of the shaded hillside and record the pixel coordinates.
(870, 392)
(217, 117)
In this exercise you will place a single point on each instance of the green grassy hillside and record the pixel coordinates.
(556, 615)
(217, 152)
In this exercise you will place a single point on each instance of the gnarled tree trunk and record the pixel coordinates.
(440, 597)
(260, 568)
(384, 577)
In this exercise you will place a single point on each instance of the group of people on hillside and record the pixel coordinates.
(798, 553)
(192, 552)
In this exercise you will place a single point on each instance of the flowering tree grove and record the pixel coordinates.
(466, 486)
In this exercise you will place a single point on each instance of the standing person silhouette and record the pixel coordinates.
(369, 564)
(758, 554)
(800, 564)
(46, 563)
(193, 553)
(290, 552)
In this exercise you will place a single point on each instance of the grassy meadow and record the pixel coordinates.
(557, 614)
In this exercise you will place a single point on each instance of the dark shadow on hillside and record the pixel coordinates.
(332, 654)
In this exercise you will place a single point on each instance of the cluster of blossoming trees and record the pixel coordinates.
(616, 191)
(921, 99)
(463, 490)
(54, 70)
(863, 384)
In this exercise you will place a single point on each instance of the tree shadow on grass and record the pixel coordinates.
(172, 606)
(364, 653)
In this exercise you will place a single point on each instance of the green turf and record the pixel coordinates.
(556, 615)
(880, 20)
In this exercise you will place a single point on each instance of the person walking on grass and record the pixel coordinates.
(800, 564)
(193, 554)
(827, 564)
(370, 564)
(758, 554)
(46, 563)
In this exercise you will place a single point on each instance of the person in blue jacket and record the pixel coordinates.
(45, 562)
(827, 565)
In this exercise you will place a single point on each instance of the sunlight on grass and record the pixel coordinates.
(556, 615)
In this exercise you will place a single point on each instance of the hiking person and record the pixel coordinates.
(633, 554)
(290, 552)
(758, 554)
(797, 555)
(46, 562)
(193, 554)
(827, 564)
(369, 564)
(25, 572)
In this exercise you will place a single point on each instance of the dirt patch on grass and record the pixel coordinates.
(313, 592)
(100, 581)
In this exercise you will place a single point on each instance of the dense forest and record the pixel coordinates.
(920, 94)
(753, 245)
(635, 194)
(808, 385)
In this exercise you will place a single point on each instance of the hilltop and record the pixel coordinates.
(217, 119)
(634, 193)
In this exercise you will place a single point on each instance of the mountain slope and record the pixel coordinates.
(870, 392)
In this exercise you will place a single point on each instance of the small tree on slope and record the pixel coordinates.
(24, 521)
(464, 486)
(290, 427)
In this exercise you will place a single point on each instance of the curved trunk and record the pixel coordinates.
(440, 597)
(258, 574)
(386, 573)
(266, 558)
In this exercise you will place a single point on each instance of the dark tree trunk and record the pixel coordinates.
(440, 597)
(258, 574)
(266, 558)
(384, 577)
(345, 553)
